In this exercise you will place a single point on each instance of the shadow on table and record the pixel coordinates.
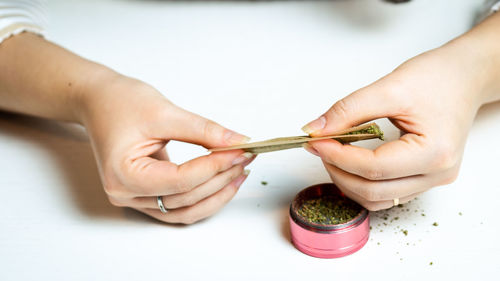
(69, 146)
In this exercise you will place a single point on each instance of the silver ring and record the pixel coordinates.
(396, 201)
(160, 205)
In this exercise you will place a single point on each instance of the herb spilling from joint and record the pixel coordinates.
(329, 210)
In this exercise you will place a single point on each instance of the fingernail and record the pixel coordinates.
(235, 138)
(246, 163)
(242, 178)
(311, 149)
(315, 125)
(242, 158)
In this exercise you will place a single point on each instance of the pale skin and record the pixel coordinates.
(433, 98)
(129, 124)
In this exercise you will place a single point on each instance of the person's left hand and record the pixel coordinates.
(433, 98)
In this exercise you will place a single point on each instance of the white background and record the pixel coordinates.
(264, 69)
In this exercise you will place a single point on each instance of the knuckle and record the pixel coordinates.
(115, 202)
(111, 189)
(180, 184)
(188, 220)
(450, 178)
(209, 128)
(342, 108)
(444, 158)
(373, 173)
(188, 200)
(235, 172)
(216, 164)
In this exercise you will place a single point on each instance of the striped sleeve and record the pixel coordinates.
(17, 16)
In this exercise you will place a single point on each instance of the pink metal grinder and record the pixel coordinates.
(327, 241)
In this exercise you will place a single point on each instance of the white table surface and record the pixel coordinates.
(264, 69)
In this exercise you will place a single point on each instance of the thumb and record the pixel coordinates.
(186, 126)
(361, 106)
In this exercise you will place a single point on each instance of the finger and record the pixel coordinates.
(203, 209)
(373, 191)
(407, 156)
(150, 177)
(363, 105)
(195, 195)
(186, 126)
(375, 205)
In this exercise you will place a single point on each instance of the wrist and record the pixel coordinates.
(89, 89)
(481, 45)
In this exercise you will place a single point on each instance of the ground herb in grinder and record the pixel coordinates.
(329, 209)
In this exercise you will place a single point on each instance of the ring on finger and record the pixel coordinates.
(396, 201)
(159, 199)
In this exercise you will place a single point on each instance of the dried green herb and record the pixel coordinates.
(405, 232)
(372, 129)
(263, 182)
(435, 224)
(459, 213)
(431, 263)
(329, 210)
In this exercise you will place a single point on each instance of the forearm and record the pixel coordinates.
(42, 79)
(482, 43)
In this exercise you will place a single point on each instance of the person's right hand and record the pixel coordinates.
(130, 123)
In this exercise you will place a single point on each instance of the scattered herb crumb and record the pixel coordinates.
(370, 227)
(435, 224)
(431, 263)
(378, 243)
(423, 215)
(263, 182)
(400, 206)
(396, 218)
(459, 213)
(405, 232)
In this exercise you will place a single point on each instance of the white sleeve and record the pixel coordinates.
(17, 16)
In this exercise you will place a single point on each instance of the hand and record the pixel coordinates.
(130, 123)
(433, 98)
